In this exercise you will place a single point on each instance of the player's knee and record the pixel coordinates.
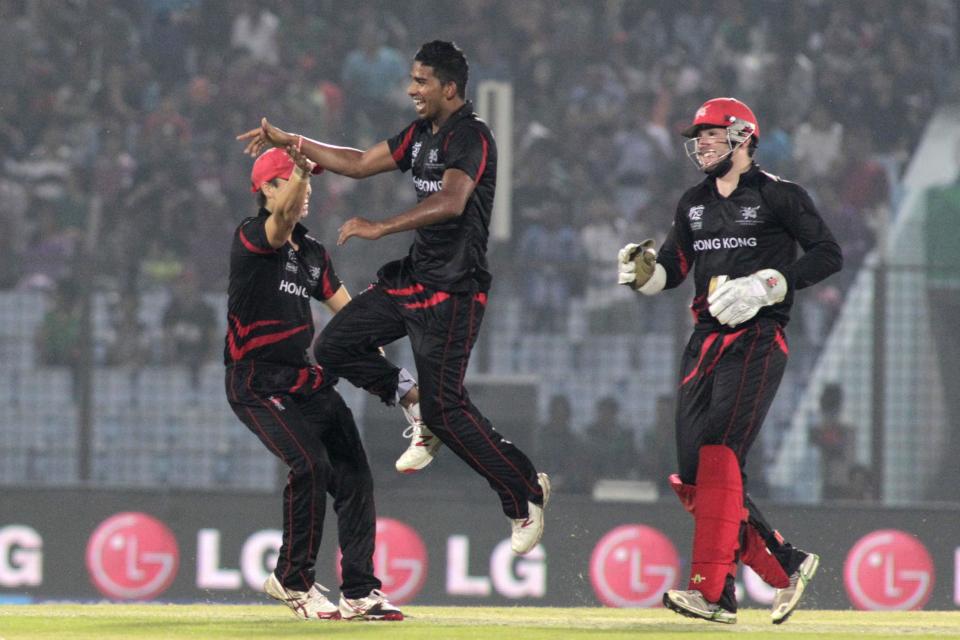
(326, 352)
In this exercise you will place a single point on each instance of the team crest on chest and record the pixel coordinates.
(432, 156)
(314, 273)
(748, 215)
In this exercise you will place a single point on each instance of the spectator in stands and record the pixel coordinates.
(550, 255)
(612, 451)
(57, 339)
(560, 447)
(190, 327)
(835, 440)
(373, 78)
(659, 449)
(255, 31)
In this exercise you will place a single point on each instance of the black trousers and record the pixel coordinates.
(302, 420)
(442, 327)
(728, 380)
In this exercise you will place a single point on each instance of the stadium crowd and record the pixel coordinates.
(131, 108)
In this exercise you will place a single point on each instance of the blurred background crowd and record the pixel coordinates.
(130, 109)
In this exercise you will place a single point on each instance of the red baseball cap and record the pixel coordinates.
(274, 163)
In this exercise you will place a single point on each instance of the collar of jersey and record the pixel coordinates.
(463, 112)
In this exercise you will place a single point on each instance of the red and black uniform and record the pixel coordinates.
(729, 376)
(436, 295)
(293, 407)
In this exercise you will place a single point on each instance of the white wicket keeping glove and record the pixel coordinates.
(636, 263)
(736, 301)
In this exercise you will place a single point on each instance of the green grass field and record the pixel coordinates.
(106, 621)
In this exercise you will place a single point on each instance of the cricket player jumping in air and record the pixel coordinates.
(437, 294)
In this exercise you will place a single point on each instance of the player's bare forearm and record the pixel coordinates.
(347, 161)
(342, 160)
(446, 204)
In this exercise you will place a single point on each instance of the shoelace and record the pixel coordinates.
(411, 431)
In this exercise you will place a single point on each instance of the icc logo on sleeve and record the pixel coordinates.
(632, 566)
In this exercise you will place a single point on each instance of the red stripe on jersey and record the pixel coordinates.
(242, 330)
(483, 160)
(301, 379)
(481, 298)
(260, 341)
(252, 248)
(318, 371)
(684, 263)
(432, 301)
(327, 285)
(400, 151)
(409, 291)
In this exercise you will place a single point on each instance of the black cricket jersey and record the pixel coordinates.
(449, 255)
(268, 307)
(757, 227)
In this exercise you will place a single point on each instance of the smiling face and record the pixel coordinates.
(712, 146)
(428, 93)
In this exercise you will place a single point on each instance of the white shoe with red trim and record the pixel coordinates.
(423, 442)
(528, 531)
(372, 607)
(305, 605)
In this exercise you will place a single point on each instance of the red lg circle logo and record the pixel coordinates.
(399, 560)
(132, 556)
(632, 566)
(888, 570)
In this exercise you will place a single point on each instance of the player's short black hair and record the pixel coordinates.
(448, 63)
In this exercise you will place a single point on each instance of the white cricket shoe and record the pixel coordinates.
(306, 605)
(423, 442)
(528, 531)
(693, 605)
(372, 607)
(785, 600)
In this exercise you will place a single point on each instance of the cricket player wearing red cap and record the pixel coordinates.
(276, 267)
(738, 230)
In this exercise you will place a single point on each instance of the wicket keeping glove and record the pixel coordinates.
(736, 301)
(637, 263)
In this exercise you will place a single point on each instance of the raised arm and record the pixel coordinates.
(290, 200)
(345, 161)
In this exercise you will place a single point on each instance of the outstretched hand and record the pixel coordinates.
(266, 135)
(361, 228)
(305, 164)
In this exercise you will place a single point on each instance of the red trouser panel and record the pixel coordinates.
(754, 552)
(718, 514)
